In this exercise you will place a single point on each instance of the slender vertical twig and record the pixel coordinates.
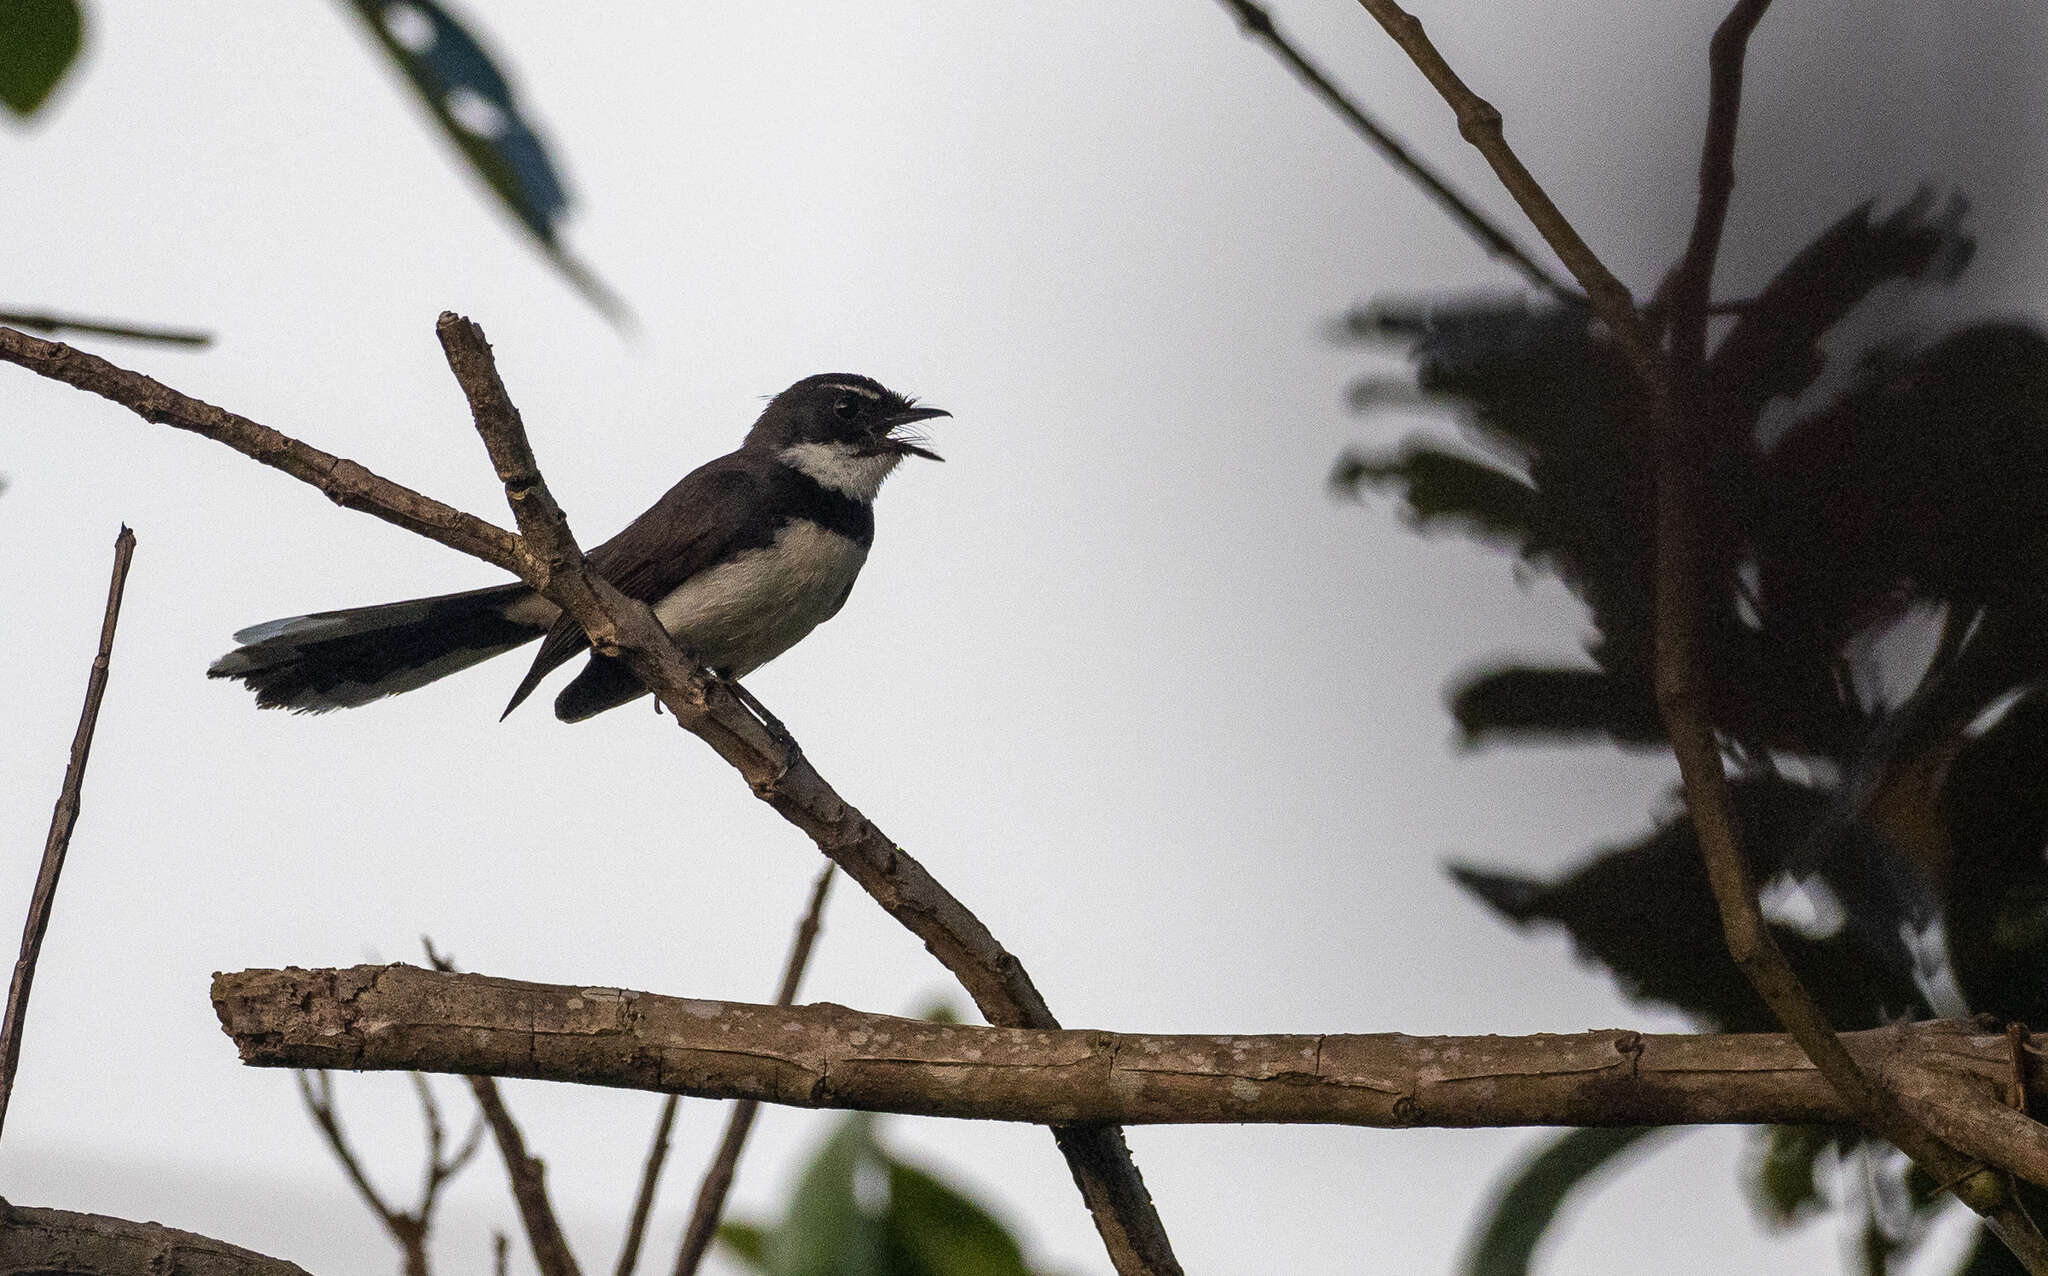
(1683, 299)
(1258, 23)
(719, 1175)
(1680, 599)
(62, 821)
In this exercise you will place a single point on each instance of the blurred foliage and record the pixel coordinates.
(1533, 1193)
(39, 40)
(1902, 798)
(462, 87)
(858, 1211)
(474, 105)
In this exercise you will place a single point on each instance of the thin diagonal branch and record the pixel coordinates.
(1258, 23)
(62, 821)
(1480, 124)
(643, 1199)
(1097, 1155)
(711, 1193)
(1685, 293)
(317, 1090)
(45, 321)
(529, 1183)
(1680, 595)
(343, 481)
(526, 1173)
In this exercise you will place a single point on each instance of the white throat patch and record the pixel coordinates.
(841, 467)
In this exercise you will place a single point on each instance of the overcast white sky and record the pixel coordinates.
(1119, 672)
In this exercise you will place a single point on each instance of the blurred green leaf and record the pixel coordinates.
(39, 40)
(824, 1230)
(1785, 1181)
(1529, 1201)
(748, 1243)
(474, 103)
(935, 1231)
(858, 1211)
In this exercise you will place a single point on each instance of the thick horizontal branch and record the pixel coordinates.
(38, 1240)
(824, 1056)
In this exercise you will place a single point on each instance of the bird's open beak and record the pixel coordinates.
(909, 444)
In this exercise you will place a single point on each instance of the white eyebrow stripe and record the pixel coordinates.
(855, 389)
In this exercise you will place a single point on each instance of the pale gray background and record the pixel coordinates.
(1119, 672)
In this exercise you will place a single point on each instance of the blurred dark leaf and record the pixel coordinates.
(1555, 704)
(473, 102)
(1525, 1205)
(935, 1231)
(39, 40)
(1996, 800)
(1784, 1181)
(1925, 481)
(1445, 491)
(1645, 911)
(1774, 349)
(1989, 1256)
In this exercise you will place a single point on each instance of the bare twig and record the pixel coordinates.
(501, 1253)
(711, 1193)
(44, 321)
(643, 1199)
(526, 1172)
(1097, 1156)
(1681, 554)
(529, 1183)
(317, 1090)
(1258, 23)
(997, 981)
(401, 1017)
(1684, 296)
(438, 1169)
(62, 821)
(407, 1231)
(408, 1228)
(344, 482)
(1480, 124)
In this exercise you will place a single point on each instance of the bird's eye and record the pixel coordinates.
(847, 408)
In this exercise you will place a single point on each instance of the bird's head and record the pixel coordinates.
(846, 415)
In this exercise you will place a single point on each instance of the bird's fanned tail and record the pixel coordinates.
(341, 659)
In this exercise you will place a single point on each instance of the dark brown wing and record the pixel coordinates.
(718, 510)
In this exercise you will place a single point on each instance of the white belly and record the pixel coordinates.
(742, 614)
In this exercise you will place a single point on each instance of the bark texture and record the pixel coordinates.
(826, 1056)
(37, 1241)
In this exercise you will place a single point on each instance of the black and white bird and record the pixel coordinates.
(739, 561)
